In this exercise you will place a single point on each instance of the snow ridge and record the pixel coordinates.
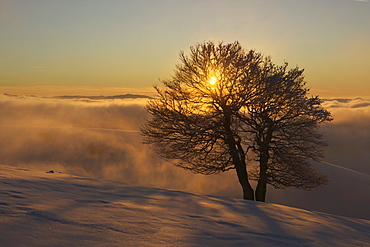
(55, 209)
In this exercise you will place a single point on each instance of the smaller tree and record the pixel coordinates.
(283, 123)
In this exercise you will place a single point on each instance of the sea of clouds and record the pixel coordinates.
(348, 135)
(94, 138)
(101, 139)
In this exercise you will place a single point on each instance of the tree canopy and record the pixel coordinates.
(226, 106)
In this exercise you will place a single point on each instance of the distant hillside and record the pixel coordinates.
(101, 97)
(123, 96)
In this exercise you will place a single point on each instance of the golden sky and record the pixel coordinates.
(134, 44)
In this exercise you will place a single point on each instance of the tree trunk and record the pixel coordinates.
(264, 157)
(262, 180)
(238, 158)
(248, 193)
(261, 190)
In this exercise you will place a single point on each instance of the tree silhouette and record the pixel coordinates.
(283, 124)
(225, 103)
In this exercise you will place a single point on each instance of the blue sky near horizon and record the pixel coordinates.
(133, 44)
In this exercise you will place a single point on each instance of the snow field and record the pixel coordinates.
(55, 209)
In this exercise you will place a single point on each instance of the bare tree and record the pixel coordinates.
(283, 122)
(209, 116)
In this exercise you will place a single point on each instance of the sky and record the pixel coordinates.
(135, 44)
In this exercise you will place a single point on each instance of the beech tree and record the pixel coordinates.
(226, 106)
(283, 123)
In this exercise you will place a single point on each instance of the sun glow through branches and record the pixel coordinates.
(212, 80)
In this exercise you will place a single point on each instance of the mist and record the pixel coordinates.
(348, 135)
(101, 139)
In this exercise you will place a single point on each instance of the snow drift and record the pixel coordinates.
(39, 208)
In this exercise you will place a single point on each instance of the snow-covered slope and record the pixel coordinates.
(55, 209)
(348, 193)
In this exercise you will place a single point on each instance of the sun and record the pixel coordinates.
(212, 80)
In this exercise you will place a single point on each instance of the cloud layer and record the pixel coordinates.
(348, 135)
(91, 138)
(100, 139)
